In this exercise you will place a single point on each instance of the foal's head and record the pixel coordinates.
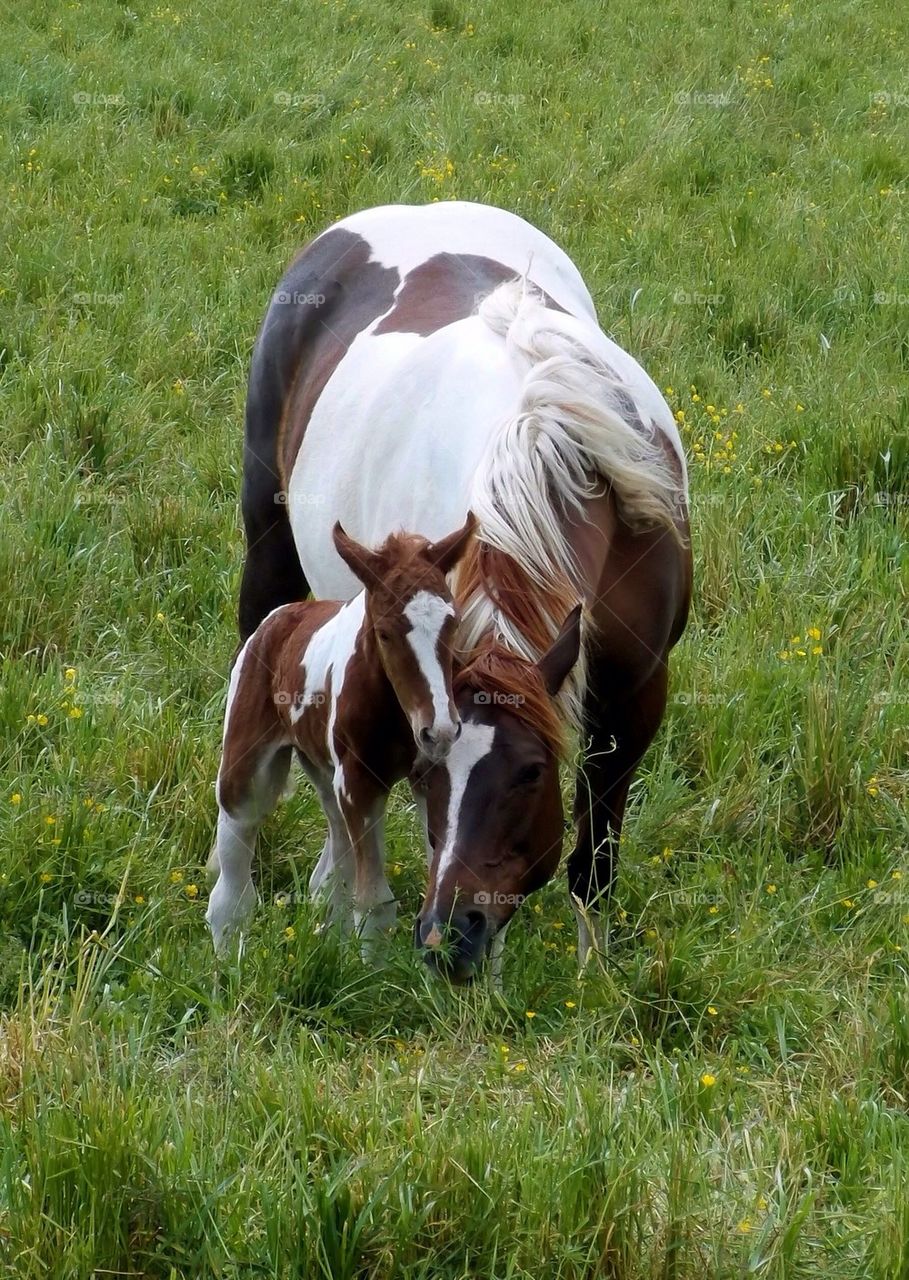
(412, 615)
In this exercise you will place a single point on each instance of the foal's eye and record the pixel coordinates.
(527, 776)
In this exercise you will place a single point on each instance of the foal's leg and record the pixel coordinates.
(333, 876)
(618, 730)
(375, 906)
(244, 800)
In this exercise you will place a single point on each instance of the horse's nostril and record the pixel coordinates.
(427, 737)
(458, 731)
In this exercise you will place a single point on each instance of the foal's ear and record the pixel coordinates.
(362, 562)
(446, 553)
(562, 654)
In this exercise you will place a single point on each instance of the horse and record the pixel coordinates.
(419, 361)
(358, 690)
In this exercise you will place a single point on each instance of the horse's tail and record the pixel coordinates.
(576, 429)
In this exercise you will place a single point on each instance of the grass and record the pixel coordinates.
(728, 1096)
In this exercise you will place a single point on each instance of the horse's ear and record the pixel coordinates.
(446, 553)
(362, 562)
(562, 654)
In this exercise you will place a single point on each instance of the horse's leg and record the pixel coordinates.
(272, 574)
(375, 906)
(618, 729)
(332, 877)
(256, 782)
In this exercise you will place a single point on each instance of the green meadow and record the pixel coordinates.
(728, 1095)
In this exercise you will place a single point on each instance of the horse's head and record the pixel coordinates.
(412, 615)
(494, 805)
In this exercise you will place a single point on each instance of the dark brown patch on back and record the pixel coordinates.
(444, 288)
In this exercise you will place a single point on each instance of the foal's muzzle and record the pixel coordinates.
(454, 948)
(435, 744)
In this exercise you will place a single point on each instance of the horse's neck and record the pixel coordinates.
(504, 606)
(502, 603)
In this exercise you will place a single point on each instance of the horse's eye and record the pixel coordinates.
(528, 775)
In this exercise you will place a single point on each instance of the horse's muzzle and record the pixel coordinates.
(454, 948)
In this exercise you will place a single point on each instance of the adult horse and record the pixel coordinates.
(419, 361)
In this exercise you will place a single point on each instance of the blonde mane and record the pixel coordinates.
(569, 440)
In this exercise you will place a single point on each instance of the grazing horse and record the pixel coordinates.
(358, 690)
(414, 363)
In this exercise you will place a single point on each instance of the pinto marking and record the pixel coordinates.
(474, 744)
(427, 615)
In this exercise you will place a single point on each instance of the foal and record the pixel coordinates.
(359, 690)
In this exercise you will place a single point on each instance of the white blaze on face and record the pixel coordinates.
(427, 614)
(473, 745)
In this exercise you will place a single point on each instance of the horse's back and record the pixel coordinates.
(392, 386)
